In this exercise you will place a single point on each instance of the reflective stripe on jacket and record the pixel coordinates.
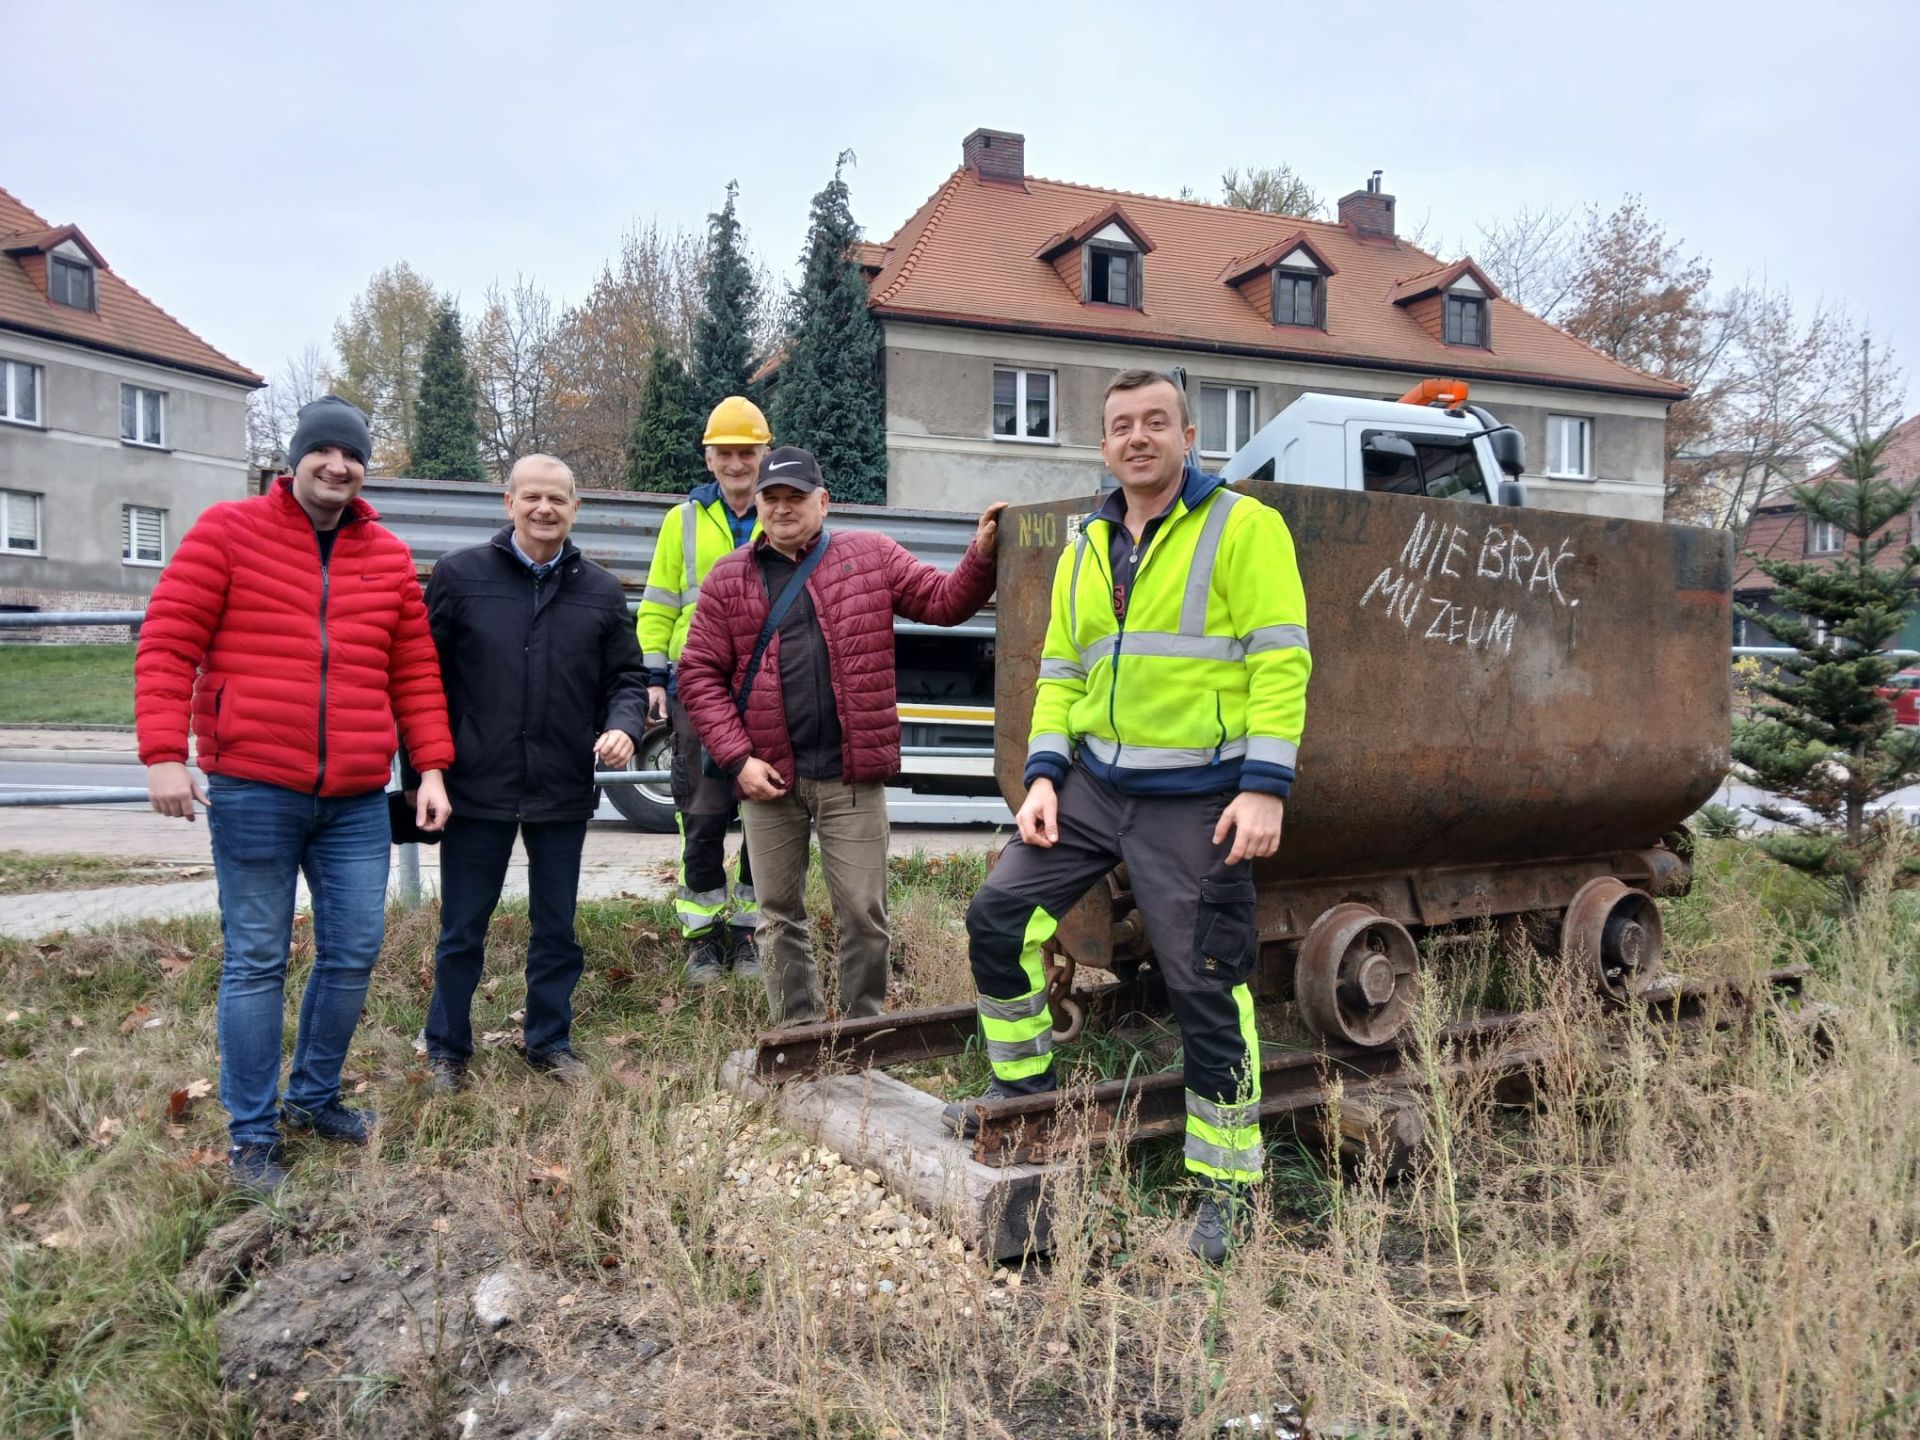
(1204, 687)
(699, 527)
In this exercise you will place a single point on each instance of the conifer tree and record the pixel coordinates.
(446, 440)
(1824, 739)
(828, 396)
(723, 330)
(663, 447)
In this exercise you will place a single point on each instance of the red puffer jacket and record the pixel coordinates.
(302, 671)
(862, 580)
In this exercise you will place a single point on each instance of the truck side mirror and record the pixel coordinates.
(1513, 493)
(1509, 451)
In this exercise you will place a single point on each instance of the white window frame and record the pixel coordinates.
(141, 394)
(10, 498)
(1816, 528)
(1020, 374)
(129, 536)
(1234, 440)
(1584, 464)
(8, 383)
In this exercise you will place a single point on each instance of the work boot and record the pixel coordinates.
(257, 1169)
(331, 1122)
(962, 1116)
(446, 1076)
(706, 958)
(1221, 1221)
(561, 1066)
(743, 951)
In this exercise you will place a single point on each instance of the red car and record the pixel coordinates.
(1903, 692)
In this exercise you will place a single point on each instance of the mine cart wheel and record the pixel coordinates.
(1615, 932)
(1356, 976)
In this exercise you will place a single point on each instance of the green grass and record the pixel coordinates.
(25, 873)
(66, 684)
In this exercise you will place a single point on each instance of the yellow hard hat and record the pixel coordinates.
(736, 420)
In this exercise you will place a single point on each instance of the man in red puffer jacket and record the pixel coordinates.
(291, 627)
(820, 735)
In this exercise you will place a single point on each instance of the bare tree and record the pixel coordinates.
(273, 409)
(514, 348)
(1277, 189)
(382, 340)
(602, 346)
(1530, 255)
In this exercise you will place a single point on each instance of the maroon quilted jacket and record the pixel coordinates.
(302, 670)
(862, 581)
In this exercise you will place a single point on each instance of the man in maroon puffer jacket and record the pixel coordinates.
(821, 733)
(291, 629)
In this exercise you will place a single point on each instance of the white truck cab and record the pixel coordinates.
(1429, 442)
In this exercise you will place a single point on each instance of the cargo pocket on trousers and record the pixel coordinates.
(1225, 944)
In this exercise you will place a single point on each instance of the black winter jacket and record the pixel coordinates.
(535, 671)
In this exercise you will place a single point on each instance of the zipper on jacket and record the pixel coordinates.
(526, 684)
(1120, 634)
(326, 576)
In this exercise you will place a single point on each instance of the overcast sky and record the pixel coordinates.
(249, 166)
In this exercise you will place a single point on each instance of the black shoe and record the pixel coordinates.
(706, 959)
(333, 1122)
(1221, 1221)
(258, 1169)
(561, 1066)
(445, 1075)
(743, 952)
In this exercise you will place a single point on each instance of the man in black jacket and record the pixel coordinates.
(542, 674)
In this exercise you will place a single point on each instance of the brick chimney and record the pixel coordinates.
(995, 155)
(1368, 211)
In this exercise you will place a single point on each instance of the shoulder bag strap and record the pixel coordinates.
(775, 615)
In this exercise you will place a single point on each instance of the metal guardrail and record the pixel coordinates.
(47, 619)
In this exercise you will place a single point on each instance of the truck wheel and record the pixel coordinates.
(1355, 979)
(649, 806)
(1615, 932)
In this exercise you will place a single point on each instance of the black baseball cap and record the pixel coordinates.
(789, 465)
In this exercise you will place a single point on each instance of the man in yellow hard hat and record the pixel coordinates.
(714, 519)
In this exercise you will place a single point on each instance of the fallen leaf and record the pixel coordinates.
(441, 1225)
(541, 1170)
(104, 1132)
(1057, 1348)
(496, 1037)
(51, 949)
(176, 1132)
(619, 975)
(181, 1100)
(13, 1017)
(193, 872)
(628, 1073)
(76, 1022)
(175, 963)
(152, 1023)
(359, 1087)
(22, 1208)
(206, 1155)
(58, 1239)
(82, 973)
(668, 1004)
(300, 1396)
(570, 1298)
(135, 1019)
(517, 1016)
(76, 1052)
(491, 986)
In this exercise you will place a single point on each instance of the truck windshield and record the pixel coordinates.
(1445, 467)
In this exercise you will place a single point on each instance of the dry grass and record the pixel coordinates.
(1717, 1238)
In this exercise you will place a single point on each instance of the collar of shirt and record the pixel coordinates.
(540, 570)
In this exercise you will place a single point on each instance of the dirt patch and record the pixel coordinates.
(420, 1332)
(24, 873)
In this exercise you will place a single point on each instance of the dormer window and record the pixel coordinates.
(1287, 280)
(1299, 298)
(70, 282)
(1113, 274)
(1101, 258)
(1467, 320)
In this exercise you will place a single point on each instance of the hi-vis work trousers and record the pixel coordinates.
(1199, 919)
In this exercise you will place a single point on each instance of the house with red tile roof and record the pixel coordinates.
(1008, 301)
(1780, 530)
(118, 425)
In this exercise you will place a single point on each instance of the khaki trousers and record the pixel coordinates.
(850, 822)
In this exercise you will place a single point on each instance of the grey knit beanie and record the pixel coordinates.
(330, 421)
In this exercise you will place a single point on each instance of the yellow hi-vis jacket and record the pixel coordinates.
(1204, 688)
(693, 537)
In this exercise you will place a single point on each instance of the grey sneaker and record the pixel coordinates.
(706, 960)
(257, 1169)
(743, 951)
(331, 1122)
(446, 1076)
(563, 1067)
(1220, 1222)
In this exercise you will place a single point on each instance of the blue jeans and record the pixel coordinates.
(473, 867)
(264, 837)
